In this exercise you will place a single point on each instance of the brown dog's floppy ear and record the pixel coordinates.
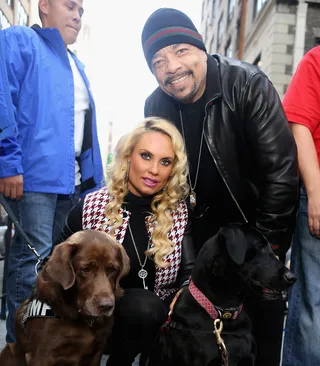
(236, 242)
(59, 266)
(124, 266)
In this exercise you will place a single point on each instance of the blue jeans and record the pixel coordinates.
(302, 333)
(42, 217)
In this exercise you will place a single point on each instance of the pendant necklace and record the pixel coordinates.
(192, 195)
(143, 273)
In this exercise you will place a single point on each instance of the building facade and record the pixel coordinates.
(272, 34)
(14, 12)
(221, 26)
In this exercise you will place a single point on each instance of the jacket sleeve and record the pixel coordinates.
(273, 146)
(7, 120)
(17, 50)
(188, 257)
(73, 223)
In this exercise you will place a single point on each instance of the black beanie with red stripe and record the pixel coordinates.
(165, 27)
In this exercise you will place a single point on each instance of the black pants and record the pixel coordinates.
(138, 316)
(267, 327)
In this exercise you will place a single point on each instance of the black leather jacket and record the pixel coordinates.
(249, 139)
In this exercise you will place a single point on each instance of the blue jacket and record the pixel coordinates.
(7, 121)
(42, 92)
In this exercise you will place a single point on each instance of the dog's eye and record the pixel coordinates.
(113, 272)
(250, 254)
(85, 270)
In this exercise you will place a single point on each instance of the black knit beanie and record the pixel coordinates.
(165, 27)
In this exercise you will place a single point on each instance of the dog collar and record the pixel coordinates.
(37, 309)
(214, 311)
(229, 313)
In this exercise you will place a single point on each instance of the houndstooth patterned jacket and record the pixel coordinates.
(93, 217)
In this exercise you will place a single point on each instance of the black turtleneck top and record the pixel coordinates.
(139, 207)
(211, 193)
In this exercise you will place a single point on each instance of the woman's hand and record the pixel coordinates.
(174, 300)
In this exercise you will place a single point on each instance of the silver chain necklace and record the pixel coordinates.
(143, 273)
(193, 198)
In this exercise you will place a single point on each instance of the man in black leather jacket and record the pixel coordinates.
(242, 156)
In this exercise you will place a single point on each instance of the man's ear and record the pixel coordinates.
(43, 6)
(236, 242)
(205, 56)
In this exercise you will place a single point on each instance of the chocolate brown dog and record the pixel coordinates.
(69, 317)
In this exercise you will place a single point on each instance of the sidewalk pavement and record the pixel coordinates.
(2, 333)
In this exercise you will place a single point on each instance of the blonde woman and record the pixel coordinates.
(143, 207)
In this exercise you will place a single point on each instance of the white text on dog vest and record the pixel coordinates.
(38, 308)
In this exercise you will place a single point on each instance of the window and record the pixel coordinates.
(202, 11)
(4, 22)
(230, 9)
(205, 34)
(219, 33)
(258, 5)
(10, 3)
(212, 48)
(22, 15)
(228, 49)
(238, 32)
(316, 33)
(213, 9)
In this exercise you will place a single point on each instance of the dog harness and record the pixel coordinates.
(216, 313)
(37, 309)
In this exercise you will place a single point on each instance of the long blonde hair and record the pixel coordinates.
(165, 201)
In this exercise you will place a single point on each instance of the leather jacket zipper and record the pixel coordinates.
(215, 162)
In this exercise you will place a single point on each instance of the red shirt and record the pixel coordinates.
(302, 100)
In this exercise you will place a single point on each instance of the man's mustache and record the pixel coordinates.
(177, 76)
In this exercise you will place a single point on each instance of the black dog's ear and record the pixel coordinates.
(236, 242)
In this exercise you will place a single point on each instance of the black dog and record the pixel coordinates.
(235, 258)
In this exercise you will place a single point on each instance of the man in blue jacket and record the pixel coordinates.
(7, 121)
(55, 155)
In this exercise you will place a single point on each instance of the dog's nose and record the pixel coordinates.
(105, 305)
(289, 277)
